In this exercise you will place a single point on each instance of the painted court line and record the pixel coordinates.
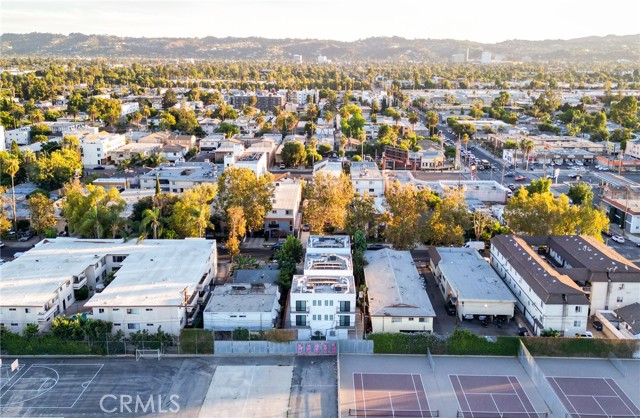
(623, 396)
(415, 391)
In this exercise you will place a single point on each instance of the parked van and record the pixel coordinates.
(477, 245)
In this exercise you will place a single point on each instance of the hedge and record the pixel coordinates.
(580, 347)
(14, 344)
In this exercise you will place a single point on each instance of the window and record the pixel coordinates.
(100, 310)
(619, 300)
(578, 308)
(314, 302)
(119, 258)
(12, 309)
(116, 309)
(243, 316)
(326, 317)
(422, 320)
(577, 323)
(26, 310)
(149, 325)
(133, 311)
(69, 297)
(13, 324)
(345, 306)
(301, 320)
(621, 286)
(313, 317)
(149, 309)
(133, 326)
(301, 306)
(331, 303)
(395, 319)
(117, 325)
(371, 190)
(345, 321)
(410, 319)
(326, 303)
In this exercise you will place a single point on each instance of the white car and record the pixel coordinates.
(618, 238)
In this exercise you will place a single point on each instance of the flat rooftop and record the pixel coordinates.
(250, 156)
(327, 262)
(470, 275)
(154, 272)
(322, 284)
(327, 242)
(186, 171)
(286, 195)
(395, 286)
(365, 170)
(256, 297)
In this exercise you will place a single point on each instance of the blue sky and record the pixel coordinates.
(345, 20)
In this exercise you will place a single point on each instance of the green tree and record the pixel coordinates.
(191, 214)
(91, 211)
(240, 187)
(52, 171)
(547, 102)
(625, 112)
(541, 185)
(228, 129)
(237, 227)
(328, 199)
(362, 215)
(10, 166)
(151, 217)
(293, 153)
(288, 256)
(169, 99)
(246, 263)
(449, 221)
(527, 146)
(580, 193)
(75, 104)
(42, 213)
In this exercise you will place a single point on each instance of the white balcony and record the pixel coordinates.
(44, 316)
(78, 282)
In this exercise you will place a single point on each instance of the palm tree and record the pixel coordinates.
(36, 117)
(91, 221)
(151, 217)
(328, 117)
(432, 120)
(413, 119)
(527, 146)
(28, 158)
(11, 166)
(246, 263)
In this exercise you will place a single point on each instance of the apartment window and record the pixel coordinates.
(117, 325)
(301, 320)
(396, 319)
(116, 309)
(12, 309)
(149, 325)
(101, 310)
(119, 258)
(326, 303)
(578, 308)
(69, 297)
(422, 320)
(26, 310)
(13, 324)
(133, 311)
(410, 319)
(331, 303)
(133, 326)
(577, 323)
(149, 309)
(345, 321)
(243, 316)
(301, 305)
(287, 212)
(314, 302)
(619, 300)
(371, 190)
(345, 306)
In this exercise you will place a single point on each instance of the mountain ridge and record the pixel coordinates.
(607, 48)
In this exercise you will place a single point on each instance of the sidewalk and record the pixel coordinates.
(615, 229)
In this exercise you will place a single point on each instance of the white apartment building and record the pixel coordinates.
(126, 151)
(548, 299)
(251, 306)
(3, 144)
(469, 282)
(20, 135)
(128, 108)
(180, 176)
(254, 161)
(396, 297)
(329, 244)
(147, 291)
(428, 159)
(211, 142)
(96, 147)
(322, 306)
(285, 216)
(366, 178)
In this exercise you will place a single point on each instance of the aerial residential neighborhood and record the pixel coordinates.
(268, 209)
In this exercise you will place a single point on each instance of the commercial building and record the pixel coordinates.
(396, 298)
(156, 283)
(253, 306)
(266, 103)
(469, 282)
(548, 299)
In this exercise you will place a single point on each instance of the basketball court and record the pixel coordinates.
(390, 395)
(593, 397)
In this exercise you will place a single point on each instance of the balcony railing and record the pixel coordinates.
(45, 315)
(300, 310)
(78, 282)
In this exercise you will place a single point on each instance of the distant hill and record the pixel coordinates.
(599, 49)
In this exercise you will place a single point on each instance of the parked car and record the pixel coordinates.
(306, 227)
(277, 245)
(607, 233)
(522, 332)
(597, 325)
(575, 176)
(509, 174)
(618, 239)
(586, 334)
(282, 166)
(520, 178)
(450, 308)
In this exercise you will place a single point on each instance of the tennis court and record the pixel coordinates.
(593, 397)
(492, 396)
(390, 395)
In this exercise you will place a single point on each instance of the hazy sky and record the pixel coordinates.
(477, 20)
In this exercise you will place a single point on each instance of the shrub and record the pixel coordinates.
(82, 293)
(240, 334)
